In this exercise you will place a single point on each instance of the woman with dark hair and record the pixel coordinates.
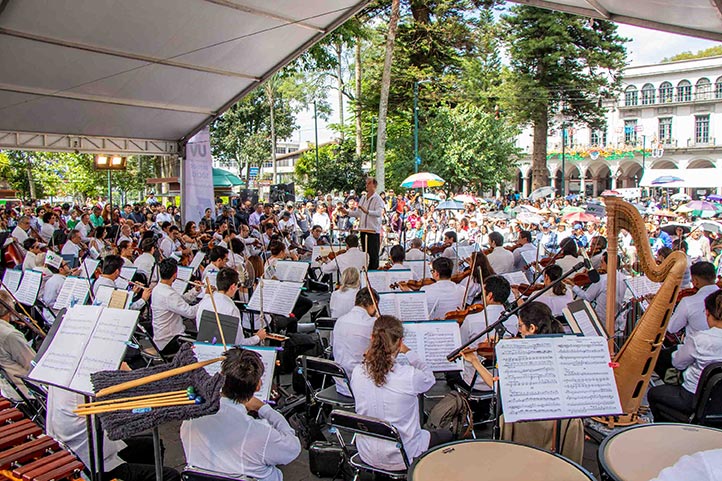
(569, 253)
(385, 386)
(535, 318)
(560, 295)
(478, 260)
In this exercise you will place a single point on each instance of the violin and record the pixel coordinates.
(527, 289)
(13, 255)
(331, 256)
(460, 276)
(413, 285)
(461, 314)
(513, 247)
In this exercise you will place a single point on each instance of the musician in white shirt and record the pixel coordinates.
(169, 308)
(452, 251)
(353, 257)
(230, 442)
(34, 257)
(111, 271)
(559, 296)
(444, 295)
(415, 253)
(227, 284)
(570, 255)
(596, 293)
(49, 227)
(690, 314)
(398, 256)
(313, 239)
(20, 232)
(72, 245)
(526, 245)
(344, 298)
(84, 227)
(501, 260)
(369, 211)
(385, 386)
(145, 263)
(352, 334)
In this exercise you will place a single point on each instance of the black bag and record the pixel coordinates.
(325, 459)
(306, 427)
(297, 344)
(453, 413)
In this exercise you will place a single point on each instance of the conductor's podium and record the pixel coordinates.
(26, 454)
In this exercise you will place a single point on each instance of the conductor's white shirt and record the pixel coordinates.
(232, 443)
(169, 308)
(442, 297)
(351, 337)
(690, 314)
(226, 306)
(353, 257)
(375, 207)
(395, 402)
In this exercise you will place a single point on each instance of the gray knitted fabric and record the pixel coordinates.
(123, 424)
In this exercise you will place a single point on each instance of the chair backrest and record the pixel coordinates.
(325, 323)
(708, 409)
(196, 475)
(367, 426)
(322, 366)
(708, 371)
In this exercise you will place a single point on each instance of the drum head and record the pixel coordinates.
(497, 460)
(639, 453)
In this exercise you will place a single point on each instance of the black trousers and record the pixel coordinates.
(371, 244)
(675, 397)
(139, 463)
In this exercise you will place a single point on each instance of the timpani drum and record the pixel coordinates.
(497, 460)
(639, 453)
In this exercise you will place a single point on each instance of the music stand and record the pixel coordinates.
(208, 328)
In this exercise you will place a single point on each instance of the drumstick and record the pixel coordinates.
(135, 398)
(140, 405)
(124, 386)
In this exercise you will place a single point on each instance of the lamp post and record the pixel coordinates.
(315, 133)
(417, 159)
(644, 152)
(564, 157)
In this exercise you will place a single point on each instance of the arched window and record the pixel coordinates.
(631, 96)
(718, 88)
(666, 92)
(684, 91)
(703, 89)
(648, 94)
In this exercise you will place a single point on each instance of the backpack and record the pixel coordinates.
(453, 413)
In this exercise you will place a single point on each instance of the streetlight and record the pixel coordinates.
(564, 157)
(109, 163)
(417, 159)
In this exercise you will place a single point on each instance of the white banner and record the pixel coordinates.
(197, 177)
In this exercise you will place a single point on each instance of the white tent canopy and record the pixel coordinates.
(697, 18)
(692, 178)
(100, 72)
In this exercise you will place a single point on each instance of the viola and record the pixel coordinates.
(461, 314)
(513, 247)
(13, 256)
(438, 248)
(412, 285)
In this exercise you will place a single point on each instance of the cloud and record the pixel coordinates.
(651, 46)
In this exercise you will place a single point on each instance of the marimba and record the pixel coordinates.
(26, 454)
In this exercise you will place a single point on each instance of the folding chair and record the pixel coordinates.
(327, 396)
(356, 424)
(707, 400)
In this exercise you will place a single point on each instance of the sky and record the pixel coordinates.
(646, 47)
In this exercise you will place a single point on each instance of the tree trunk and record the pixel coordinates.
(29, 170)
(540, 174)
(357, 97)
(384, 101)
(340, 87)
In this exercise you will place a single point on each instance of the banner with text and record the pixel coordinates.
(197, 177)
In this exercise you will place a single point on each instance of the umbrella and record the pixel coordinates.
(422, 180)
(430, 196)
(671, 228)
(666, 179)
(224, 179)
(572, 208)
(715, 198)
(529, 218)
(699, 208)
(611, 193)
(499, 215)
(710, 226)
(579, 218)
(542, 192)
(465, 198)
(529, 208)
(680, 196)
(450, 205)
(663, 213)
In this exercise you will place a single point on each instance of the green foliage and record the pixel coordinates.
(688, 55)
(337, 169)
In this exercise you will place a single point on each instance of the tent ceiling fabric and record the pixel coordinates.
(153, 69)
(698, 18)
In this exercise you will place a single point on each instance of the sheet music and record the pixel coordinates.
(89, 339)
(29, 287)
(407, 306)
(529, 257)
(74, 290)
(184, 273)
(89, 265)
(294, 271)
(103, 295)
(515, 278)
(418, 268)
(196, 262)
(556, 377)
(585, 318)
(11, 280)
(179, 286)
(641, 286)
(126, 274)
(279, 297)
(205, 352)
(464, 252)
(433, 340)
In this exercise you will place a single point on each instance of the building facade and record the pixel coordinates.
(668, 116)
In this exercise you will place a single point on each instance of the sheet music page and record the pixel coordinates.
(556, 377)
(103, 295)
(196, 262)
(641, 286)
(412, 306)
(179, 286)
(388, 306)
(11, 280)
(285, 298)
(205, 352)
(75, 289)
(515, 278)
(433, 340)
(267, 288)
(529, 257)
(119, 299)
(397, 275)
(105, 347)
(294, 271)
(89, 265)
(126, 274)
(29, 287)
(184, 273)
(464, 252)
(585, 323)
(418, 268)
(379, 280)
(61, 359)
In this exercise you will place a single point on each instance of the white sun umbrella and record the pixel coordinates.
(529, 218)
(542, 192)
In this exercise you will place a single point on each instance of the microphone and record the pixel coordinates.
(591, 271)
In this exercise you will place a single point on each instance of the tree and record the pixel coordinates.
(384, 95)
(338, 169)
(704, 53)
(560, 64)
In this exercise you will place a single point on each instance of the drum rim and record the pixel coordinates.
(600, 451)
(581, 468)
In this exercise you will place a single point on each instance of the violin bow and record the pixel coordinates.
(371, 292)
(483, 299)
(468, 280)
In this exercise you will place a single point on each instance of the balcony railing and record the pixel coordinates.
(674, 99)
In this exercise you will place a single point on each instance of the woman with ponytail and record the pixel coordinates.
(559, 296)
(699, 349)
(385, 386)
